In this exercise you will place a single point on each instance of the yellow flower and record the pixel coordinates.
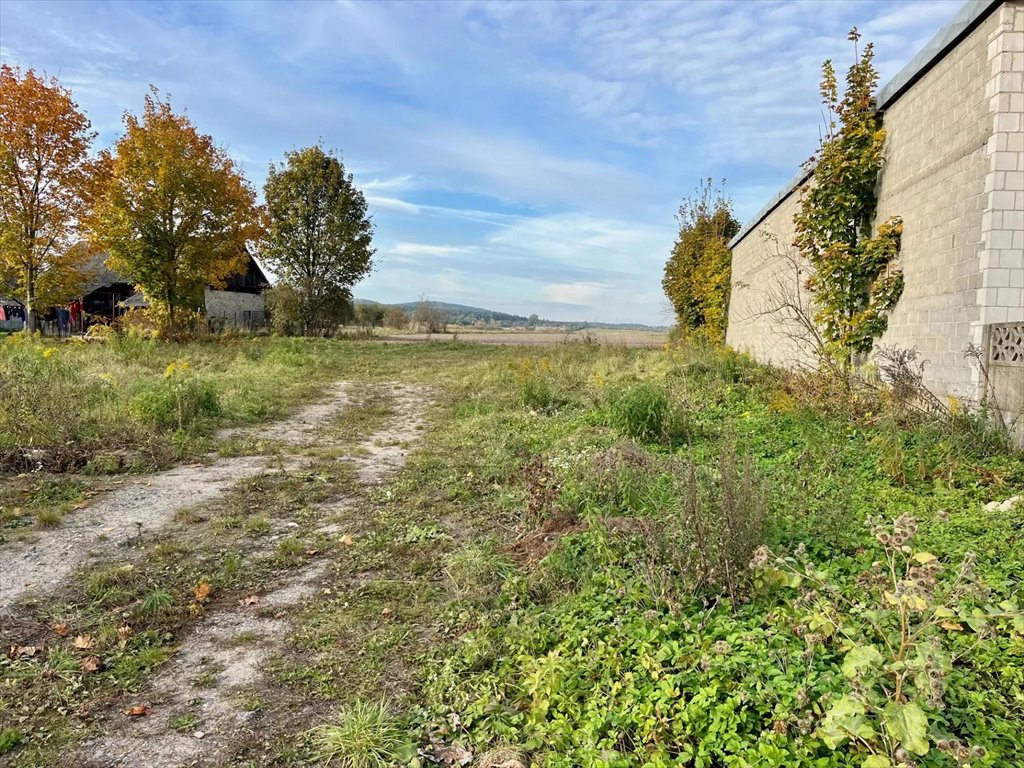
(49, 352)
(176, 366)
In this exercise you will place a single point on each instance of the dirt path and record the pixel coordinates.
(39, 566)
(207, 680)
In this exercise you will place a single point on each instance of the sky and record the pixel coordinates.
(527, 157)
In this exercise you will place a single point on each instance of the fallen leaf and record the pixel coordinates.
(61, 629)
(23, 650)
(347, 539)
(386, 612)
(952, 626)
(84, 642)
(311, 552)
(81, 505)
(124, 631)
(90, 664)
(202, 591)
(250, 600)
(139, 710)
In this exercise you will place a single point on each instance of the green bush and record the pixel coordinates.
(640, 411)
(180, 400)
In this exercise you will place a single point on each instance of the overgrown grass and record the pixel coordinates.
(131, 404)
(562, 573)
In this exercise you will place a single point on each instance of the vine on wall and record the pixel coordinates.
(854, 282)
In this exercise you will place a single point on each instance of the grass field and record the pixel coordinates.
(586, 556)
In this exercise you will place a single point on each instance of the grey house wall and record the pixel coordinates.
(235, 308)
(955, 172)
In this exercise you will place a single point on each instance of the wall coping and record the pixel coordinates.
(966, 20)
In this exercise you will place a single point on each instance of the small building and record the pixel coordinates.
(239, 304)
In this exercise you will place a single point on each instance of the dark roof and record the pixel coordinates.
(135, 301)
(99, 275)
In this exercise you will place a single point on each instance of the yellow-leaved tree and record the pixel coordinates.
(47, 181)
(176, 214)
(697, 274)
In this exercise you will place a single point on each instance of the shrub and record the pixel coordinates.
(707, 540)
(179, 400)
(640, 412)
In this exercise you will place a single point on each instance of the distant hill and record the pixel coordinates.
(461, 314)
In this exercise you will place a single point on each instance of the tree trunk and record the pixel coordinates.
(30, 300)
(170, 316)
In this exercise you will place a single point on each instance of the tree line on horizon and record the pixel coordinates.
(170, 208)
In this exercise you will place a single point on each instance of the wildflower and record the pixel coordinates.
(760, 557)
(49, 352)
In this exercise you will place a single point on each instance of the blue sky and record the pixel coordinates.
(523, 156)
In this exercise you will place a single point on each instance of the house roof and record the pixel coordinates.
(970, 15)
(135, 301)
(100, 275)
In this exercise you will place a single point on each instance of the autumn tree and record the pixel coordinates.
(854, 283)
(319, 236)
(698, 272)
(177, 214)
(47, 181)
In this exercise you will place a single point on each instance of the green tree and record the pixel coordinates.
(177, 215)
(853, 281)
(370, 314)
(47, 180)
(698, 272)
(319, 236)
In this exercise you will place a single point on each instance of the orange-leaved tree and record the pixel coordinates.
(176, 214)
(47, 181)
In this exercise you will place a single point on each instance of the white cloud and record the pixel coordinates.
(425, 249)
(582, 294)
(392, 203)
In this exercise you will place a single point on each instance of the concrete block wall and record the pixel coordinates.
(955, 172)
(934, 177)
(1001, 293)
(762, 275)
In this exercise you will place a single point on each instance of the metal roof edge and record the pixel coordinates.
(966, 20)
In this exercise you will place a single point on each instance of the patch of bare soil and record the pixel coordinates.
(536, 545)
(301, 425)
(197, 707)
(39, 566)
(386, 450)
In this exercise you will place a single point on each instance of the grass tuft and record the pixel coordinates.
(367, 735)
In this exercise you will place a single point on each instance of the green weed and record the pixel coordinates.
(366, 735)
